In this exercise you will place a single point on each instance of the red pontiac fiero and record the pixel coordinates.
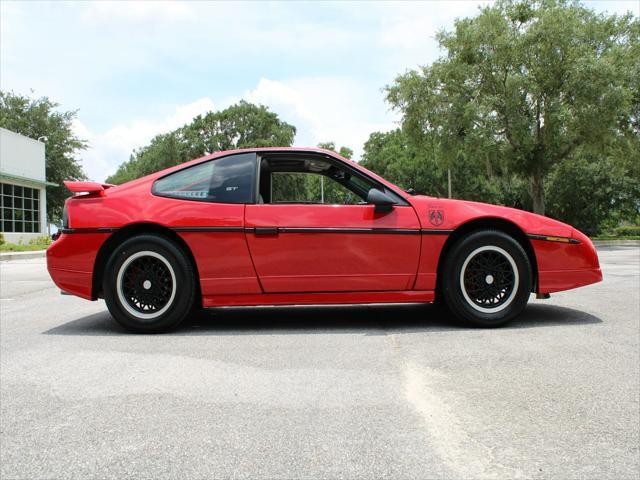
(281, 226)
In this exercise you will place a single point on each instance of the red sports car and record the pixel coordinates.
(279, 226)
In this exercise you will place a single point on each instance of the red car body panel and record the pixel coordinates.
(71, 262)
(303, 259)
(324, 298)
(226, 268)
(319, 254)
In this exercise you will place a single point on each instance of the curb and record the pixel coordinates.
(616, 243)
(22, 255)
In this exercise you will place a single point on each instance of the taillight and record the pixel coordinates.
(65, 217)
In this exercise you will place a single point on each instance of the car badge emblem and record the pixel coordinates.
(436, 216)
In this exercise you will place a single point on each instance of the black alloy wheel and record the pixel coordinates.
(487, 278)
(149, 284)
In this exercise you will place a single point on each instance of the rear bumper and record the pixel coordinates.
(71, 260)
(556, 281)
(72, 282)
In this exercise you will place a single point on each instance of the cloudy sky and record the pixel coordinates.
(138, 69)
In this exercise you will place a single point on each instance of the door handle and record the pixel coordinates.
(265, 230)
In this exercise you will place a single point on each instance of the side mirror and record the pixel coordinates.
(382, 201)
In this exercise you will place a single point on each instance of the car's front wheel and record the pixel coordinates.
(149, 285)
(487, 278)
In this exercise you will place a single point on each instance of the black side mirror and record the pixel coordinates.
(382, 201)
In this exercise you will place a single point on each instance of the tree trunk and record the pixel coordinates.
(537, 193)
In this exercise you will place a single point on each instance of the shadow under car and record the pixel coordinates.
(365, 319)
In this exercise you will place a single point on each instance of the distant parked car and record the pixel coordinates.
(279, 226)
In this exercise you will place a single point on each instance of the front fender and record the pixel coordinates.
(565, 257)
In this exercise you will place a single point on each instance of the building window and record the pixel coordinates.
(19, 209)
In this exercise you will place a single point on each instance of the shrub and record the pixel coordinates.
(41, 240)
(627, 231)
(1, 239)
(592, 194)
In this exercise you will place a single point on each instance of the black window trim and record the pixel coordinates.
(258, 155)
(254, 191)
(402, 202)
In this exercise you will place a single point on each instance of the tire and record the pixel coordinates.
(149, 285)
(487, 279)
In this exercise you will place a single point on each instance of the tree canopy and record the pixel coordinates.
(37, 118)
(343, 151)
(525, 86)
(242, 125)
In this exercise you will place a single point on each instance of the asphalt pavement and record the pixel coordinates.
(333, 392)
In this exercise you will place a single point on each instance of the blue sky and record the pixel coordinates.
(136, 69)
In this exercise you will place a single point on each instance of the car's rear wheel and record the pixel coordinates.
(487, 279)
(149, 285)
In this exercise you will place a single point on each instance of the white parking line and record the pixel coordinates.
(464, 455)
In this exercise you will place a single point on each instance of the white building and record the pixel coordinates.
(23, 207)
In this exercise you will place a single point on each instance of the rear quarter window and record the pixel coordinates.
(224, 180)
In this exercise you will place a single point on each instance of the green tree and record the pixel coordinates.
(242, 125)
(394, 156)
(592, 193)
(525, 85)
(326, 189)
(345, 152)
(37, 118)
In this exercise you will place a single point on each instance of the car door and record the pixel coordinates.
(302, 246)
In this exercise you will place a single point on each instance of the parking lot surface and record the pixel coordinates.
(333, 392)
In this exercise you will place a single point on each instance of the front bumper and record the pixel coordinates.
(566, 265)
(559, 280)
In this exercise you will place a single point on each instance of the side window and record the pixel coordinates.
(225, 180)
(311, 179)
(295, 187)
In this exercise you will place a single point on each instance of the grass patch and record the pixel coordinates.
(615, 237)
(37, 243)
(12, 247)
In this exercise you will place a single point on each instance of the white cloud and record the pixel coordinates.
(325, 109)
(138, 10)
(322, 109)
(108, 149)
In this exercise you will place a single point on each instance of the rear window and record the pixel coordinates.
(224, 180)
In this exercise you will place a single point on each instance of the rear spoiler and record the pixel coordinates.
(87, 187)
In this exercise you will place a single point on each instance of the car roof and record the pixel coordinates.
(225, 153)
(273, 149)
(153, 176)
